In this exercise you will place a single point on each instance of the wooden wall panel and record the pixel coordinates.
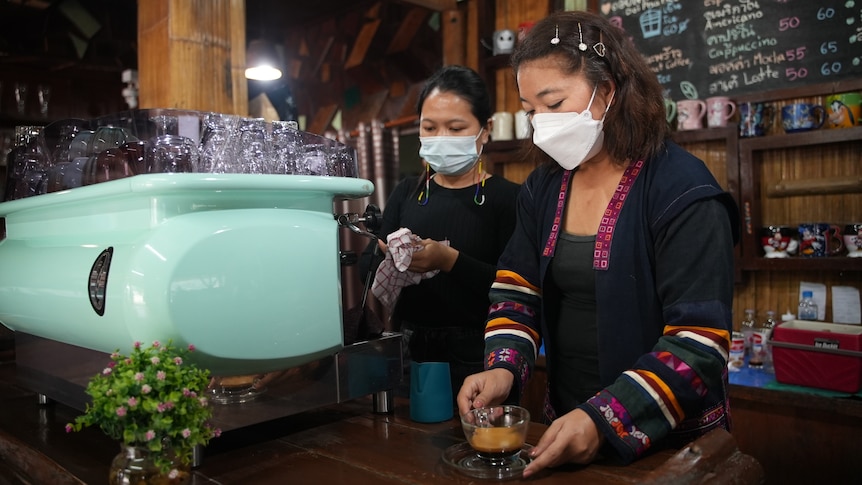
(508, 16)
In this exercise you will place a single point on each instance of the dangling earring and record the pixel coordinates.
(425, 192)
(480, 182)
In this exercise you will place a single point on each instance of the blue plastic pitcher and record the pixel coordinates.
(430, 392)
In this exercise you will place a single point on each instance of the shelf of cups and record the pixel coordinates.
(833, 263)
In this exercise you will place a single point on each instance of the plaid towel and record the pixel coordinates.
(392, 274)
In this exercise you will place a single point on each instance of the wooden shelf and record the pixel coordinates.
(802, 264)
(805, 138)
(749, 162)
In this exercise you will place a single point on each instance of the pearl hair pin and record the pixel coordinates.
(556, 39)
(581, 46)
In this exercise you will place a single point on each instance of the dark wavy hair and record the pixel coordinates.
(464, 82)
(635, 126)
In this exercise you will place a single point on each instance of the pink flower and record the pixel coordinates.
(132, 402)
(69, 428)
(150, 435)
(186, 433)
(106, 371)
(112, 364)
(191, 348)
(121, 411)
(139, 376)
(155, 360)
(217, 432)
(146, 389)
(178, 360)
(156, 344)
(137, 345)
(186, 392)
(160, 375)
(161, 407)
(115, 355)
(174, 473)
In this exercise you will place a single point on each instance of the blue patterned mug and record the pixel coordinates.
(820, 239)
(754, 119)
(802, 117)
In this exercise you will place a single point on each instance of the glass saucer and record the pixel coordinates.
(465, 460)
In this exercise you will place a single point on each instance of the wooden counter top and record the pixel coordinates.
(345, 443)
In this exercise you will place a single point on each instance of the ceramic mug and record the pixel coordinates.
(853, 240)
(669, 110)
(503, 127)
(802, 117)
(820, 239)
(430, 392)
(504, 41)
(844, 110)
(754, 119)
(523, 127)
(779, 241)
(690, 113)
(719, 109)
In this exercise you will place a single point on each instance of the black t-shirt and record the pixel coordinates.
(478, 232)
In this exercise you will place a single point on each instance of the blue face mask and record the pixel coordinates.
(450, 155)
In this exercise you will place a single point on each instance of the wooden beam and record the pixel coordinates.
(407, 30)
(363, 42)
(436, 5)
(454, 37)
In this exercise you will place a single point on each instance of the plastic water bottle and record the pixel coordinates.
(747, 327)
(807, 307)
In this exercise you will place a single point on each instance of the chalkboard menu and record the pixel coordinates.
(702, 48)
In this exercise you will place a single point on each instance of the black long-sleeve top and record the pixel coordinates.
(478, 232)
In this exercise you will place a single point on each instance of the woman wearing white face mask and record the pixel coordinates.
(621, 263)
(463, 217)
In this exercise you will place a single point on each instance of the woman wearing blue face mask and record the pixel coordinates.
(621, 263)
(462, 217)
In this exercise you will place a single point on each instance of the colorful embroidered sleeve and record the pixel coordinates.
(662, 390)
(512, 336)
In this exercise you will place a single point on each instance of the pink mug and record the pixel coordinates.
(719, 109)
(689, 114)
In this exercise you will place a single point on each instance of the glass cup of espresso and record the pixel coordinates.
(496, 433)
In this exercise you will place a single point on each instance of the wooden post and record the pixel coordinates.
(454, 37)
(191, 55)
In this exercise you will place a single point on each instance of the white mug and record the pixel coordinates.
(523, 127)
(502, 128)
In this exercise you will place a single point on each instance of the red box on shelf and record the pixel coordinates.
(818, 354)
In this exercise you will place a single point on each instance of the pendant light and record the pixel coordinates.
(262, 62)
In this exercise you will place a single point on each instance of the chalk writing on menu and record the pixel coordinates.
(702, 48)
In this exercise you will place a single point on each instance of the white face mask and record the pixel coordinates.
(570, 138)
(449, 155)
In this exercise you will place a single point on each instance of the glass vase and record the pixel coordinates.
(135, 465)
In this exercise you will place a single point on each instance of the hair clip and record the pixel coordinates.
(581, 46)
(556, 39)
(599, 47)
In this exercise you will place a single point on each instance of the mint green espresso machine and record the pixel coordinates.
(246, 267)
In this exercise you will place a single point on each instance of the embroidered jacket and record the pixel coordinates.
(662, 344)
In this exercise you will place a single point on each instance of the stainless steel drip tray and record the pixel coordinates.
(61, 371)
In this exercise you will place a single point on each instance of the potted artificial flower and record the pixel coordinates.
(153, 402)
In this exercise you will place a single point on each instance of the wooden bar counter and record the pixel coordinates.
(344, 443)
